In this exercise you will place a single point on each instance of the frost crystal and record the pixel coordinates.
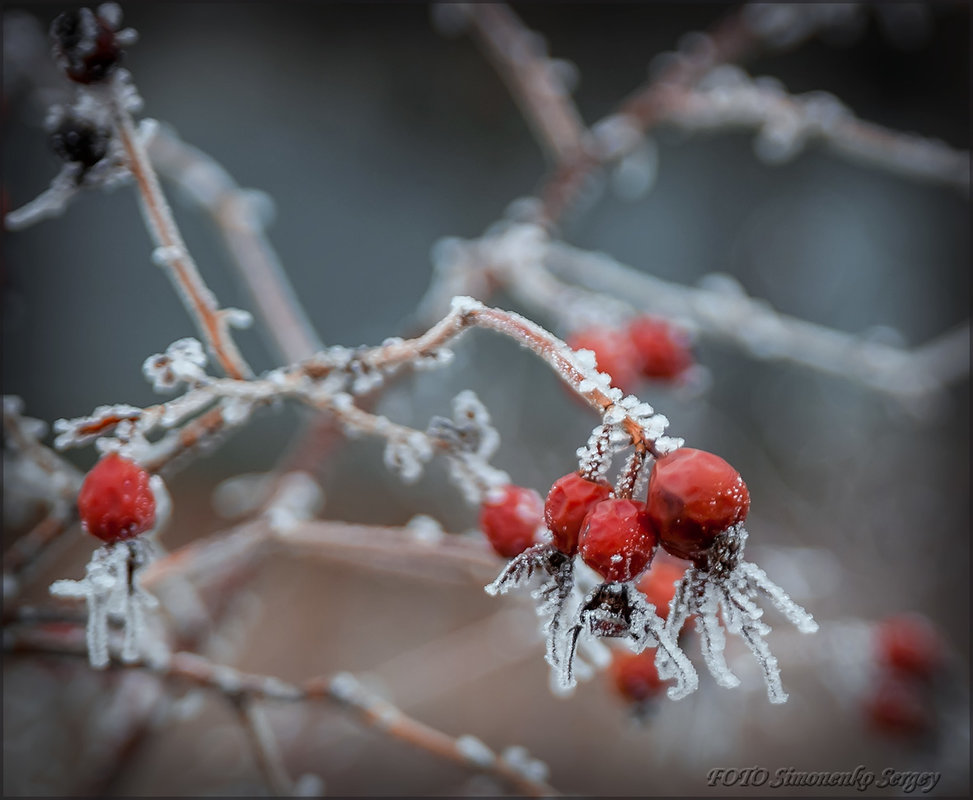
(112, 589)
(82, 430)
(471, 440)
(405, 455)
(183, 362)
(475, 751)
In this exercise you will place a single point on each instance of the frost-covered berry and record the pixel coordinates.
(896, 707)
(659, 585)
(570, 499)
(634, 675)
(909, 645)
(85, 45)
(694, 496)
(617, 539)
(510, 521)
(79, 141)
(116, 502)
(663, 350)
(614, 354)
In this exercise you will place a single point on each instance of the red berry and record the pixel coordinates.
(614, 353)
(568, 502)
(116, 501)
(659, 585)
(663, 350)
(897, 707)
(909, 644)
(634, 675)
(693, 497)
(511, 521)
(617, 539)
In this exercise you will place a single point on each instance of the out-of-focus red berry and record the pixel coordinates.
(659, 584)
(570, 499)
(693, 496)
(617, 539)
(614, 353)
(634, 676)
(511, 522)
(909, 644)
(663, 350)
(116, 502)
(896, 707)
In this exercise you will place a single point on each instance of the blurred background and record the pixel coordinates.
(375, 136)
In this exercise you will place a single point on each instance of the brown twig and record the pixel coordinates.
(531, 77)
(171, 252)
(342, 689)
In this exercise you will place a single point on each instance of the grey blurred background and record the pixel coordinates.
(375, 136)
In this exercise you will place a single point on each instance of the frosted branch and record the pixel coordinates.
(534, 80)
(171, 253)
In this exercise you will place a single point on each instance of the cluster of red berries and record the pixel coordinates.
(910, 656)
(693, 496)
(648, 347)
(116, 501)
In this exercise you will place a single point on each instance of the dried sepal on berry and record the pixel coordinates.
(620, 611)
(87, 44)
(726, 587)
(112, 589)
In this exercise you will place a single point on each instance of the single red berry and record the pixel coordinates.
(693, 497)
(896, 707)
(116, 502)
(634, 676)
(663, 350)
(511, 521)
(614, 353)
(85, 46)
(910, 645)
(570, 499)
(617, 539)
(659, 585)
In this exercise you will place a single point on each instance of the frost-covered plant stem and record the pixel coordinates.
(171, 253)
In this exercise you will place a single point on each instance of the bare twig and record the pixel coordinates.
(171, 252)
(236, 213)
(752, 325)
(342, 689)
(253, 718)
(531, 77)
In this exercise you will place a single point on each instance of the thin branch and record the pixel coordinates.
(342, 689)
(787, 121)
(731, 40)
(236, 213)
(755, 327)
(532, 78)
(254, 720)
(171, 252)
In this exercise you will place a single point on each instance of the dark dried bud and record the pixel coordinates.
(85, 46)
(80, 141)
